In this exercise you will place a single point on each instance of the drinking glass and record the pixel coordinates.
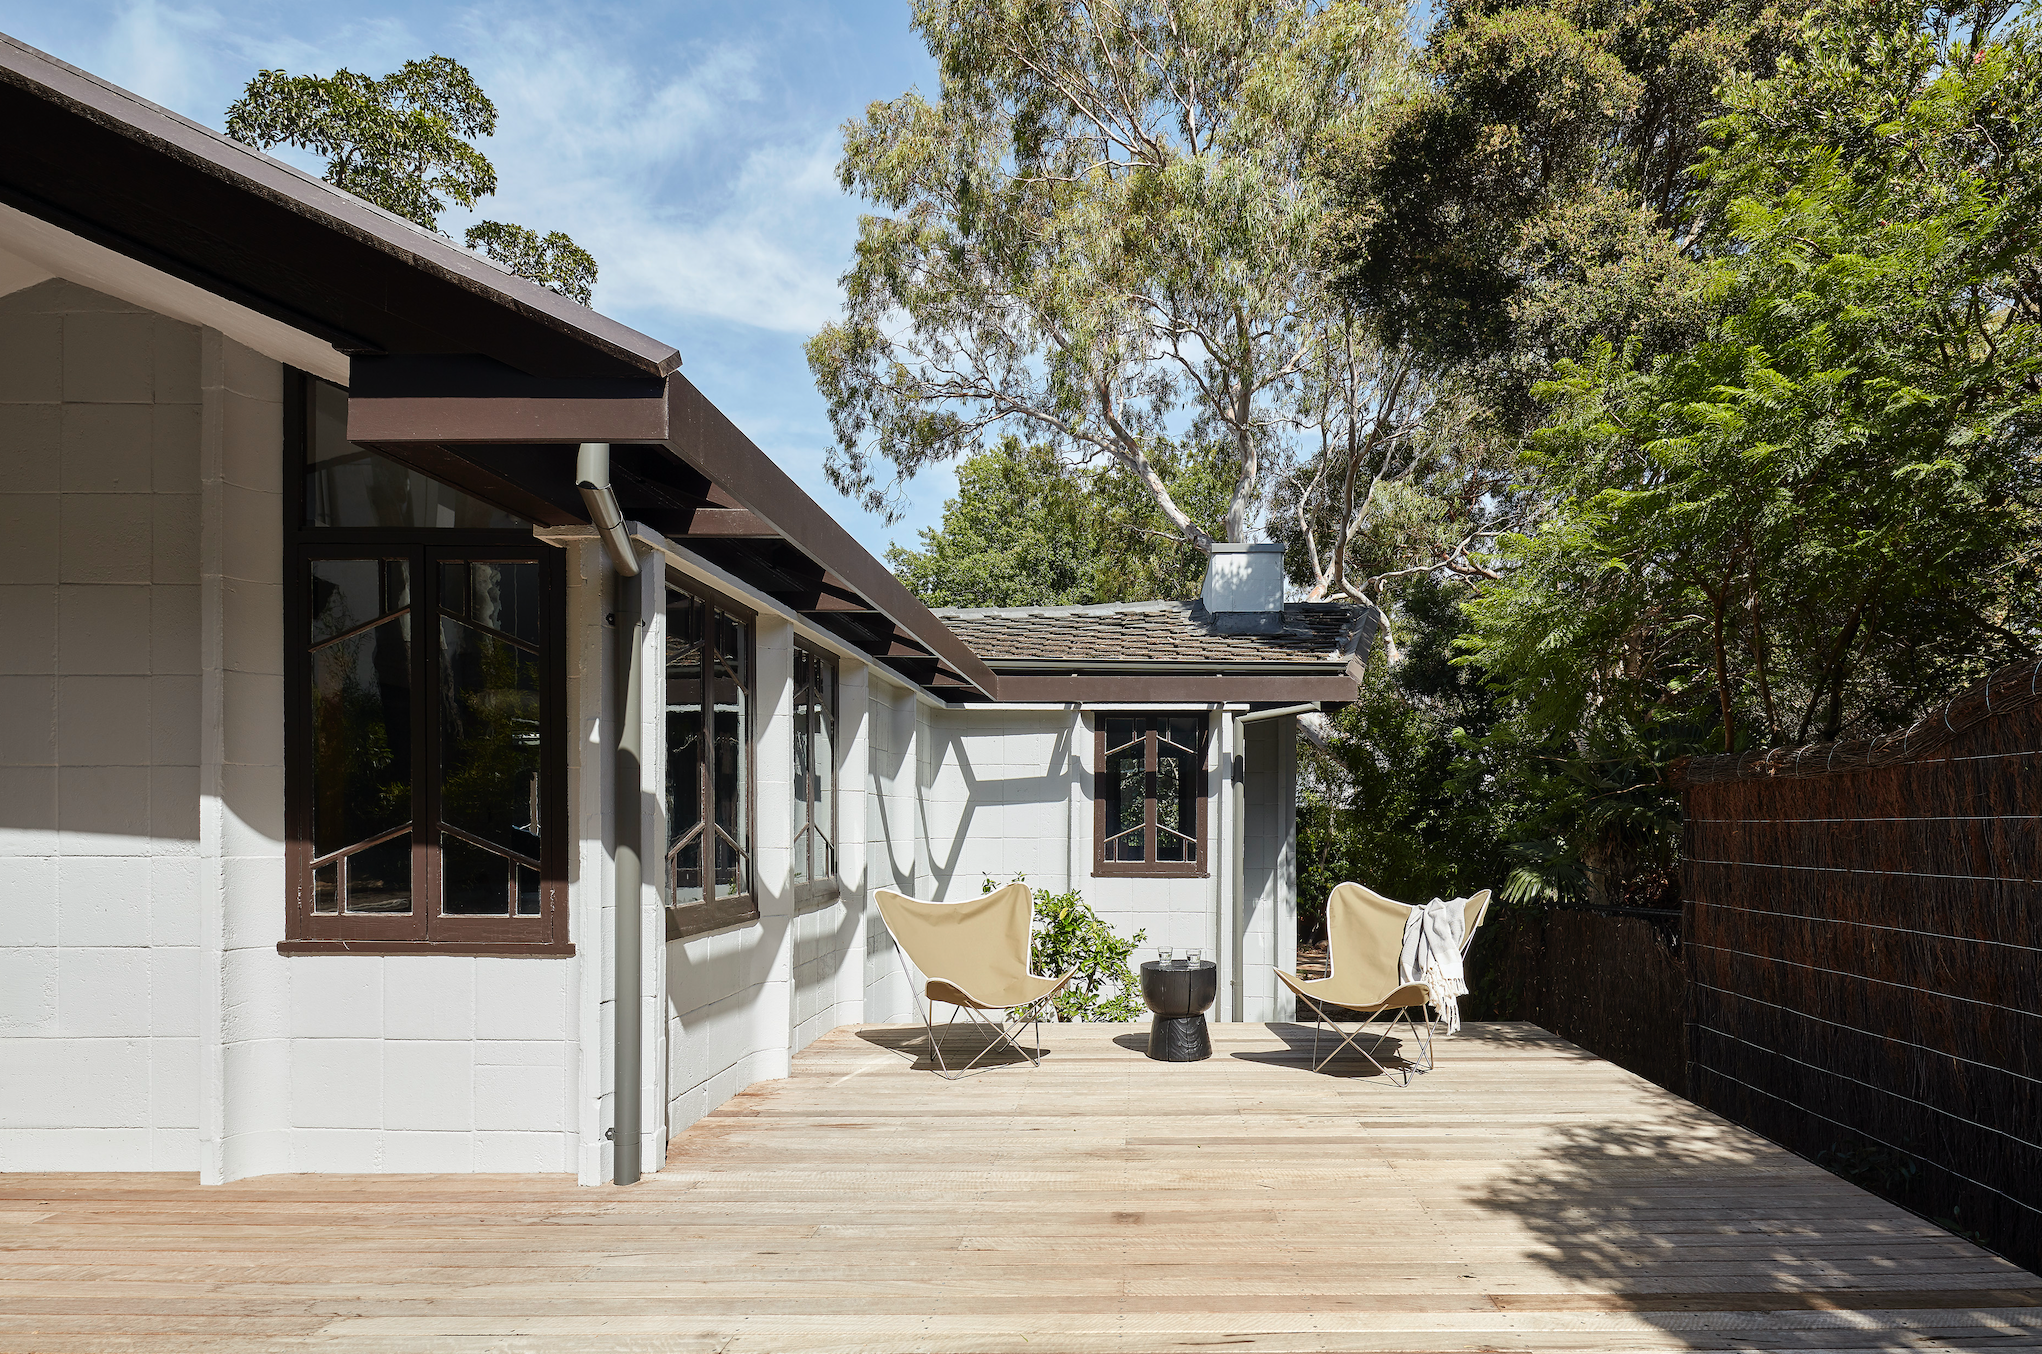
(1191, 958)
(1163, 958)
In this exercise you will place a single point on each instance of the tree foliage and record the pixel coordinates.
(1100, 238)
(554, 261)
(1535, 190)
(404, 142)
(1822, 516)
(1068, 935)
(1398, 792)
(1024, 531)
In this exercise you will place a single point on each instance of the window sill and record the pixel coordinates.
(684, 920)
(562, 950)
(816, 895)
(1147, 872)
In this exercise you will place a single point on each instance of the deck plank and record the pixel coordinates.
(1525, 1196)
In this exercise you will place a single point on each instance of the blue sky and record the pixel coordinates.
(691, 147)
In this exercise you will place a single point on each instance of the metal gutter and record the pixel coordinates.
(1190, 667)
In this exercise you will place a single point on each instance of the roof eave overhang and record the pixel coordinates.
(427, 403)
(1217, 667)
(1201, 688)
(95, 160)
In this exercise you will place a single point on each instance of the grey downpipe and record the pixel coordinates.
(1308, 708)
(592, 478)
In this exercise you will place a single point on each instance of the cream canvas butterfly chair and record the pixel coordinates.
(974, 956)
(1364, 936)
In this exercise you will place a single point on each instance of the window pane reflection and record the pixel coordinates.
(1150, 780)
(378, 878)
(732, 689)
(708, 732)
(800, 802)
(360, 676)
(825, 761)
(684, 747)
(810, 806)
(1125, 784)
(489, 737)
(351, 486)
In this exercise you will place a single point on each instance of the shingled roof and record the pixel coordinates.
(1148, 636)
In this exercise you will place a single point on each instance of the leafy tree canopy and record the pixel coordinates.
(404, 142)
(1100, 238)
(1535, 189)
(1023, 531)
(1821, 517)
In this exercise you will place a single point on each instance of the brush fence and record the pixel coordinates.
(1864, 932)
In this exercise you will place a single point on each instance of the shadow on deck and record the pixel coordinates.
(1524, 1196)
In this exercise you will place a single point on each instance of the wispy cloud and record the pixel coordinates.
(696, 195)
(690, 144)
(195, 59)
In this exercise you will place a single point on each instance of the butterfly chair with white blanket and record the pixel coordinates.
(1365, 941)
(973, 956)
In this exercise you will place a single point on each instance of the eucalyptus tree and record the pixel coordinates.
(1104, 236)
(405, 142)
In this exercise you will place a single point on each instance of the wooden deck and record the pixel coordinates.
(1525, 1196)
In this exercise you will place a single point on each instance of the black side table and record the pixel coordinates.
(1179, 993)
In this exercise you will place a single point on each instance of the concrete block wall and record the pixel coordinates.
(890, 823)
(1011, 793)
(590, 695)
(998, 799)
(99, 733)
(245, 1011)
(426, 1063)
(822, 942)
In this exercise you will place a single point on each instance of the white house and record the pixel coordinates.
(324, 674)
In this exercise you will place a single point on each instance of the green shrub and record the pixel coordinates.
(1068, 935)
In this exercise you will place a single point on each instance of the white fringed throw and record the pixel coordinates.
(1432, 955)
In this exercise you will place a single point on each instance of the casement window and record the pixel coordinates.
(1150, 792)
(814, 801)
(708, 763)
(425, 754)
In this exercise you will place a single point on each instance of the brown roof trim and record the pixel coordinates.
(1155, 690)
(94, 159)
(700, 435)
(2011, 688)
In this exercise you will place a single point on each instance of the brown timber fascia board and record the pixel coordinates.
(568, 421)
(90, 102)
(1149, 689)
(701, 436)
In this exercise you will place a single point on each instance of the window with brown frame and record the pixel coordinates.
(1150, 790)
(814, 800)
(425, 749)
(708, 763)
